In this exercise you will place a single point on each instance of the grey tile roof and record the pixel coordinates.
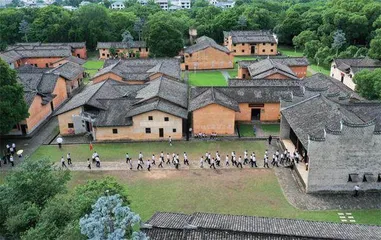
(114, 113)
(10, 56)
(267, 67)
(264, 82)
(357, 63)
(167, 89)
(135, 44)
(71, 44)
(288, 61)
(44, 52)
(76, 60)
(29, 97)
(159, 105)
(245, 94)
(252, 37)
(206, 96)
(142, 69)
(218, 226)
(68, 70)
(203, 43)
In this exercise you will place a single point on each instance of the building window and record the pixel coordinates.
(235, 51)
(115, 131)
(140, 49)
(148, 130)
(263, 50)
(272, 50)
(353, 177)
(379, 178)
(272, 44)
(150, 118)
(46, 65)
(103, 54)
(70, 125)
(190, 55)
(368, 177)
(243, 44)
(174, 130)
(264, 44)
(146, 49)
(243, 50)
(166, 119)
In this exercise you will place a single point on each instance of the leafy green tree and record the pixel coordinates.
(112, 51)
(375, 46)
(109, 219)
(361, 52)
(13, 107)
(10, 19)
(350, 52)
(311, 48)
(24, 29)
(120, 22)
(242, 22)
(138, 27)
(368, 84)
(304, 37)
(324, 56)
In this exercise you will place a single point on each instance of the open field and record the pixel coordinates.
(242, 192)
(271, 128)
(290, 51)
(321, 69)
(93, 64)
(246, 130)
(207, 78)
(233, 73)
(117, 151)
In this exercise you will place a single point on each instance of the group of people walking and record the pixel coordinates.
(8, 155)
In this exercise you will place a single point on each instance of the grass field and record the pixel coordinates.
(321, 69)
(233, 73)
(290, 51)
(207, 78)
(246, 130)
(117, 151)
(271, 128)
(241, 58)
(253, 192)
(93, 64)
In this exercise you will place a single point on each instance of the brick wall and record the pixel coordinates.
(209, 58)
(60, 92)
(214, 118)
(40, 62)
(105, 77)
(269, 112)
(243, 73)
(80, 52)
(65, 118)
(259, 48)
(300, 71)
(138, 130)
(356, 150)
(37, 113)
(104, 53)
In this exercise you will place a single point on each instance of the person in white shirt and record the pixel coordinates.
(161, 161)
(63, 162)
(98, 162)
(168, 159)
(153, 159)
(14, 147)
(8, 148)
(170, 140)
(356, 188)
(148, 165)
(140, 156)
(128, 159)
(253, 160)
(140, 162)
(239, 162)
(227, 160)
(12, 161)
(68, 159)
(202, 162)
(212, 164)
(245, 159)
(266, 162)
(234, 162)
(88, 164)
(218, 160)
(162, 155)
(186, 162)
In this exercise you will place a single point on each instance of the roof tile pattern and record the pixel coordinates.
(203, 43)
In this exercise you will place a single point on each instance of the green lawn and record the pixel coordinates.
(233, 73)
(241, 58)
(271, 128)
(93, 64)
(321, 69)
(207, 78)
(253, 192)
(246, 130)
(117, 151)
(290, 51)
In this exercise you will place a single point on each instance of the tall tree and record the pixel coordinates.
(368, 84)
(13, 108)
(109, 219)
(375, 46)
(242, 22)
(138, 27)
(24, 29)
(339, 40)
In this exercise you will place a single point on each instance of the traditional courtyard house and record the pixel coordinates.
(43, 93)
(73, 59)
(345, 69)
(251, 42)
(166, 225)
(78, 49)
(72, 73)
(137, 49)
(337, 132)
(273, 68)
(206, 54)
(111, 110)
(139, 71)
(217, 109)
(117, 5)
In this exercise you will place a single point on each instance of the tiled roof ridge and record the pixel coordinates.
(303, 101)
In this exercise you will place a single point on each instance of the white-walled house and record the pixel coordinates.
(117, 5)
(344, 69)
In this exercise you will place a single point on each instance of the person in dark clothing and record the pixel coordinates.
(270, 139)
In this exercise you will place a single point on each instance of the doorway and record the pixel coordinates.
(252, 49)
(161, 132)
(255, 114)
(342, 78)
(186, 67)
(23, 129)
(78, 56)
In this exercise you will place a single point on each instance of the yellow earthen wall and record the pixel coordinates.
(209, 58)
(105, 51)
(213, 118)
(65, 118)
(37, 113)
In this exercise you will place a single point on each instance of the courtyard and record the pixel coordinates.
(247, 191)
(206, 78)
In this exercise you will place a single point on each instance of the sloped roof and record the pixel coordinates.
(288, 61)
(68, 70)
(209, 96)
(135, 44)
(203, 43)
(345, 63)
(74, 59)
(159, 105)
(219, 226)
(141, 69)
(260, 36)
(70, 44)
(264, 82)
(268, 67)
(10, 56)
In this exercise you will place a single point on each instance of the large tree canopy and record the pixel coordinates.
(13, 108)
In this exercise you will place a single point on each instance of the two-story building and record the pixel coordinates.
(251, 42)
(114, 110)
(206, 54)
(345, 69)
(136, 49)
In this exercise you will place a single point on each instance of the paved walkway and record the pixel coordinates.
(299, 199)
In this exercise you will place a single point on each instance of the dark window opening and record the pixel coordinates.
(263, 50)
(148, 130)
(140, 49)
(272, 50)
(174, 130)
(353, 177)
(103, 54)
(379, 178)
(166, 119)
(70, 125)
(115, 131)
(243, 50)
(150, 118)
